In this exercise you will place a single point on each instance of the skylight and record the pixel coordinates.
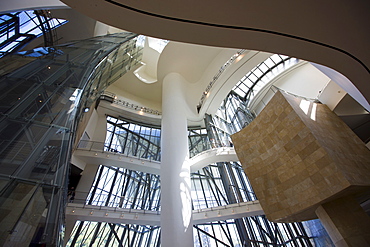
(260, 75)
(19, 28)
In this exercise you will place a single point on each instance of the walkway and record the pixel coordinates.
(76, 211)
(93, 154)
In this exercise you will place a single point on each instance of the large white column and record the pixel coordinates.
(176, 213)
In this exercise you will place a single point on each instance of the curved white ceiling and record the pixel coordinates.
(333, 33)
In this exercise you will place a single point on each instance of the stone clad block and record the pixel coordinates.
(298, 155)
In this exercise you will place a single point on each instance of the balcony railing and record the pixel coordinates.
(116, 149)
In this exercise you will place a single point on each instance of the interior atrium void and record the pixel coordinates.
(178, 125)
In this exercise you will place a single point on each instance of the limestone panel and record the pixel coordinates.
(297, 155)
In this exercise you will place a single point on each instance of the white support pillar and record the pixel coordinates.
(176, 213)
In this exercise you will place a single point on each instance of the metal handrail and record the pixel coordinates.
(100, 147)
(112, 98)
(82, 197)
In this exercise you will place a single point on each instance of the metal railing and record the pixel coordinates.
(114, 149)
(112, 98)
(98, 201)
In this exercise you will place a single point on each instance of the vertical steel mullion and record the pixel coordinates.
(219, 192)
(237, 193)
(199, 238)
(303, 230)
(77, 233)
(201, 185)
(248, 224)
(294, 240)
(125, 142)
(86, 228)
(231, 198)
(269, 230)
(149, 236)
(124, 189)
(109, 237)
(134, 235)
(141, 238)
(112, 136)
(262, 232)
(101, 232)
(125, 230)
(194, 188)
(244, 185)
(95, 234)
(227, 234)
(147, 193)
(92, 194)
(154, 192)
(136, 192)
(138, 140)
(111, 188)
(158, 239)
(214, 233)
(113, 231)
(226, 182)
(278, 234)
(214, 189)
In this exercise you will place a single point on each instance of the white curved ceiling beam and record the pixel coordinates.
(333, 33)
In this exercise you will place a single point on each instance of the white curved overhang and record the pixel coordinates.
(331, 33)
(98, 157)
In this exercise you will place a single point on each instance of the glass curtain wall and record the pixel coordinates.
(217, 184)
(123, 188)
(41, 103)
(225, 183)
(133, 139)
(96, 234)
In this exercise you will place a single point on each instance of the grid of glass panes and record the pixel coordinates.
(198, 141)
(87, 233)
(255, 79)
(119, 187)
(220, 184)
(132, 139)
(225, 183)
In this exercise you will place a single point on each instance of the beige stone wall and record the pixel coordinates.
(297, 160)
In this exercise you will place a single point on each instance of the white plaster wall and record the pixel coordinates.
(305, 81)
(302, 80)
(124, 95)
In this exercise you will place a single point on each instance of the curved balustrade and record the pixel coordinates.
(222, 154)
(93, 152)
(119, 215)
